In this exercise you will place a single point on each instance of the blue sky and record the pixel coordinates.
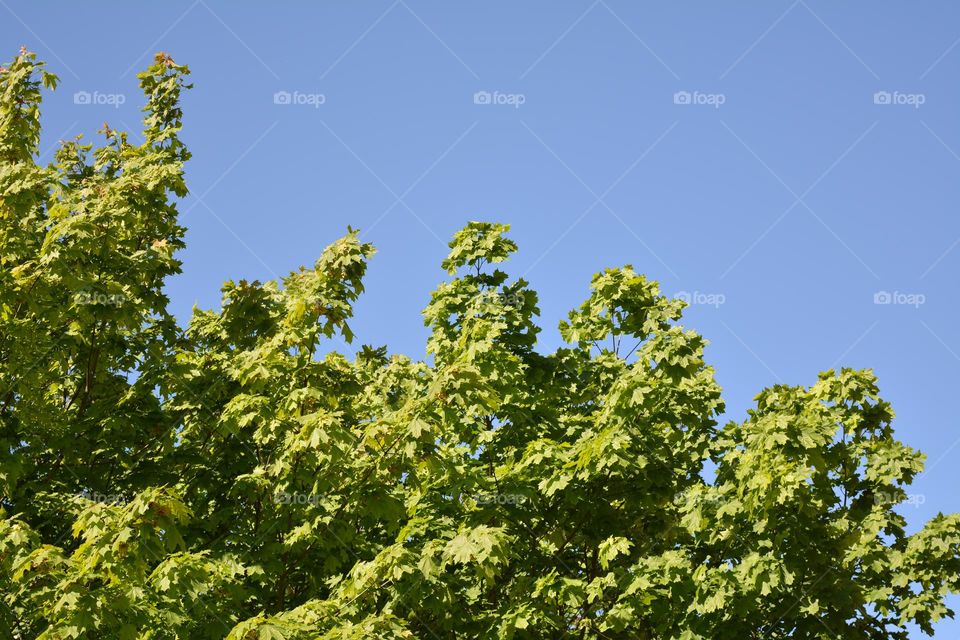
(791, 166)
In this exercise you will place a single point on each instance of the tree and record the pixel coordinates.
(228, 480)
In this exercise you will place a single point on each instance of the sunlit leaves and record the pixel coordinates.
(242, 479)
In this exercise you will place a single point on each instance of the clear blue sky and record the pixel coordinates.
(783, 188)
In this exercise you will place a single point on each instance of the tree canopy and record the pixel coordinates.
(237, 478)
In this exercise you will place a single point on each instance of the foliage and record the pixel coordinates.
(228, 480)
